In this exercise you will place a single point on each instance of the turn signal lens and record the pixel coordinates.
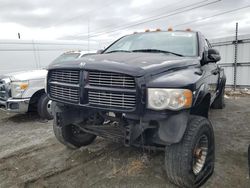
(188, 95)
(24, 86)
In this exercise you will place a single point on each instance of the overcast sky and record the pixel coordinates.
(105, 21)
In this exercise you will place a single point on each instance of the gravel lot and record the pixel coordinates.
(30, 156)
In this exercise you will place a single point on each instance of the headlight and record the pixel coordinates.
(173, 99)
(18, 88)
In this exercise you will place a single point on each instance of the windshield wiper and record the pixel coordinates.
(117, 51)
(157, 51)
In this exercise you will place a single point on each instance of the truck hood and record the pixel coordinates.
(136, 64)
(25, 75)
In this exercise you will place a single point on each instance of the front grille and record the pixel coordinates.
(64, 85)
(106, 90)
(65, 76)
(2, 90)
(64, 93)
(112, 100)
(110, 79)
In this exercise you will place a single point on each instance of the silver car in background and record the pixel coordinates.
(21, 92)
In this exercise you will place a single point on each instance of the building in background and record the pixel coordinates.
(21, 55)
(235, 59)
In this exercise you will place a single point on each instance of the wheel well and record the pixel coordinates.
(203, 107)
(34, 99)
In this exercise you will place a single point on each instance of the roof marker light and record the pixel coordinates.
(170, 29)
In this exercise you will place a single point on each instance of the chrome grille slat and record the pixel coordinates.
(93, 93)
(64, 79)
(112, 105)
(105, 85)
(108, 78)
(111, 100)
(66, 97)
(113, 97)
(113, 80)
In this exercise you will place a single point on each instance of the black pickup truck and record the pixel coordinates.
(151, 90)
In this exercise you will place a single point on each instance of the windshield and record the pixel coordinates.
(182, 43)
(67, 57)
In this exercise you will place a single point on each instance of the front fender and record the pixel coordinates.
(34, 86)
(172, 129)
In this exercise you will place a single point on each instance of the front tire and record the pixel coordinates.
(71, 136)
(191, 162)
(44, 107)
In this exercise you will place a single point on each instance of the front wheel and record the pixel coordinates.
(71, 136)
(191, 162)
(44, 107)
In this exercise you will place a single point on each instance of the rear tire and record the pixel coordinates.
(43, 106)
(190, 162)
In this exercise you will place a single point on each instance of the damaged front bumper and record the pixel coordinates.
(151, 130)
(15, 105)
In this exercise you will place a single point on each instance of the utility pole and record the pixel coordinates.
(88, 33)
(235, 56)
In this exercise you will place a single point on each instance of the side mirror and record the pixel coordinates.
(99, 51)
(213, 55)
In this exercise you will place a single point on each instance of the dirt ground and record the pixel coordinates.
(30, 156)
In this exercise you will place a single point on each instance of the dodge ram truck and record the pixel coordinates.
(21, 92)
(151, 90)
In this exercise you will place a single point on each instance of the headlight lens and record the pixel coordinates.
(18, 88)
(173, 99)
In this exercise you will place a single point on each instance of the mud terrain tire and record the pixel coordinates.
(182, 160)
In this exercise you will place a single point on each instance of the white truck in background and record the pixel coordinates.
(24, 91)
